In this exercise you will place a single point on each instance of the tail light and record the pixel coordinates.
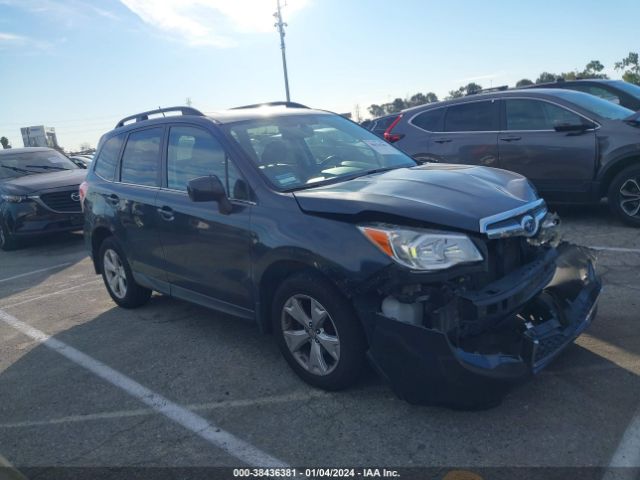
(393, 137)
(84, 186)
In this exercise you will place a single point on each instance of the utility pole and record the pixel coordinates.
(280, 26)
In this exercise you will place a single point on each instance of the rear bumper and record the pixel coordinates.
(424, 365)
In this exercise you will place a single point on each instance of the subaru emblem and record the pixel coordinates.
(529, 226)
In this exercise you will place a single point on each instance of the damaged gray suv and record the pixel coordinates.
(447, 278)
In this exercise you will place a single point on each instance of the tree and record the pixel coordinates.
(417, 99)
(631, 67)
(468, 89)
(376, 110)
(593, 69)
(523, 83)
(5, 142)
(546, 77)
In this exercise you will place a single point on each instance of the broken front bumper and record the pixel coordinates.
(525, 320)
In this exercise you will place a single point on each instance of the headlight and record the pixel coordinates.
(14, 198)
(422, 249)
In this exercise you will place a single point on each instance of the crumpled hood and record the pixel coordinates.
(455, 196)
(43, 181)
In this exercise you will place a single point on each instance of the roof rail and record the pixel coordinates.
(140, 117)
(272, 104)
(501, 88)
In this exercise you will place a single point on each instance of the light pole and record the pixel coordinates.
(280, 26)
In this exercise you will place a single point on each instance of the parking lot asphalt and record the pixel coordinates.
(113, 387)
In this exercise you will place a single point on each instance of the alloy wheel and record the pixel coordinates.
(115, 273)
(630, 197)
(310, 334)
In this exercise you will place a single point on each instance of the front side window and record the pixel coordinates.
(141, 158)
(296, 151)
(472, 117)
(528, 114)
(107, 159)
(13, 165)
(194, 152)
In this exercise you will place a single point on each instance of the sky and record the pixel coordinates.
(81, 65)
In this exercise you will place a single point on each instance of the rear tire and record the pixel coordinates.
(318, 332)
(624, 195)
(7, 241)
(118, 278)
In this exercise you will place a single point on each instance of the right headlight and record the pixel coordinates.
(422, 249)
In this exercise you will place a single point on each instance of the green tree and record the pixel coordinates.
(376, 110)
(546, 77)
(523, 83)
(431, 97)
(472, 88)
(593, 69)
(631, 67)
(421, 99)
(5, 142)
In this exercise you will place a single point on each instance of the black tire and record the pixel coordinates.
(134, 295)
(7, 241)
(341, 323)
(626, 181)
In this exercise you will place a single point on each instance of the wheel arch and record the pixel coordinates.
(99, 235)
(614, 169)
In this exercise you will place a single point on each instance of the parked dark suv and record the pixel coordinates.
(446, 277)
(38, 194)
(574, 147)
(617, 91)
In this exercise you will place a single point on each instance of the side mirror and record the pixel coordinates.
(209, 189)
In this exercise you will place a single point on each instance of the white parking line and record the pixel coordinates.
(617, 249)
(249, 402)
(626, 459)
(15, 277)
(226, 441)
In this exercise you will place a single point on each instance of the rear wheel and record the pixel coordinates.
(118, 278)
(624, 195)
(318, 332)
(7, 242)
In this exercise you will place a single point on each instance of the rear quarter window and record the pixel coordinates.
(107, 160)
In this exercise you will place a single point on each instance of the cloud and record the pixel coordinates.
(210, 22)
(12, 40)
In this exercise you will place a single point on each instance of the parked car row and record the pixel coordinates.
(446, 277)
(573, 146)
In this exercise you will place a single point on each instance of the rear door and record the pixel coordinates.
(470, 134)
(207, 253)
(560, 164)
(133, 198)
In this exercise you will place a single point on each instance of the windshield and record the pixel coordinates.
(308, 150)
(13, 165)
(596, 105)
(630, 88)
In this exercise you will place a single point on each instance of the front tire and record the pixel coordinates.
(318, 332)
(624, 195)
(118, 278)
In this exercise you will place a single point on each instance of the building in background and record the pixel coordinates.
(39, 136)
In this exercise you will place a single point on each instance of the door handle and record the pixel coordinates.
(166, 213)
(113, 199)
(512, 138)
(442, 140)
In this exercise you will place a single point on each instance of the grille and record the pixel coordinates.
(62, 201)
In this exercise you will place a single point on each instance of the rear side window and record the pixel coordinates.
(472, 117)
(141, 158)
(192, 153)
(107, 159)
(537, 115)
(431, 120)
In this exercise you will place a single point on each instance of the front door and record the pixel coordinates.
(207, 253)
(561, 164)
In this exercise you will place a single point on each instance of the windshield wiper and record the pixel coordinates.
(16, 169)
(47, 167)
